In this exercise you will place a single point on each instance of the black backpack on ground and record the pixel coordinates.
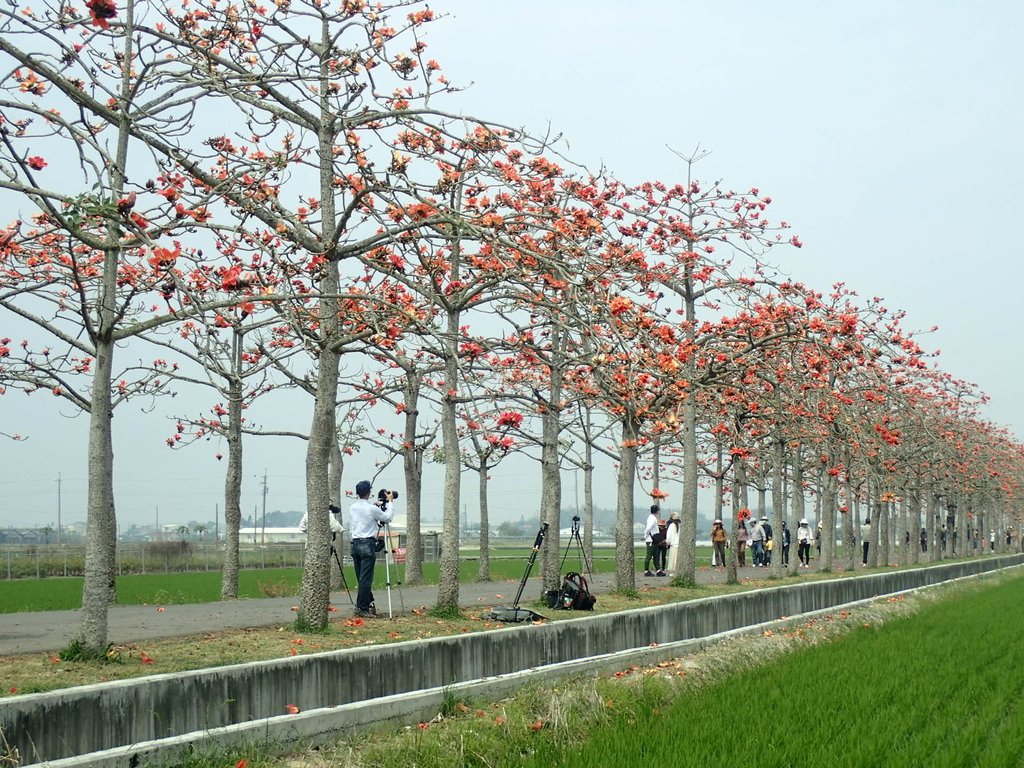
(574, 594)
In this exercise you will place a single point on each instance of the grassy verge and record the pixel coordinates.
(42, 672)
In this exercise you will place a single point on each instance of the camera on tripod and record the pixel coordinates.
(382, 496)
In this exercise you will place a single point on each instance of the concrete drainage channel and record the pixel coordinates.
(162, 719)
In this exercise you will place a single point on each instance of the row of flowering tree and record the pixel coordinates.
(278, 199)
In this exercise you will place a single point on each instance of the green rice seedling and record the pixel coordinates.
(942, 688)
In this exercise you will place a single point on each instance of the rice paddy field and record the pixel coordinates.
(944, 687)
(934, 679)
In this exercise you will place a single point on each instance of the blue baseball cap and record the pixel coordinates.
(363, 488)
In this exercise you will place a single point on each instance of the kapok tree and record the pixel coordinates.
(461, 268)
(227, 350)
(83, 262)
(702, 241)
(546, 350)
(332, 150)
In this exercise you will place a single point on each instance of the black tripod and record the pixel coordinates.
(337, 559)
(574, 536)
(515, 613)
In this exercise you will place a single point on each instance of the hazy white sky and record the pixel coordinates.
(888, 134)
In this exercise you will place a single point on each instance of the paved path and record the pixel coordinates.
(40, 632)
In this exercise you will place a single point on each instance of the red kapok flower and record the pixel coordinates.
(36, 163)
(101, 10)
(657, 493)
(510, 419)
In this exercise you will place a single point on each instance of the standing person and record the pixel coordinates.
(786, 541)
(365, 518)
(757, 543)
(332, 521)
(719, 540)
(650, 534)
(661, 549)
(769, 541)
(742, 536)
(817, 541)
(924, 539)
(865, 537)
(803, 543)
(336, 530)
(672, 537)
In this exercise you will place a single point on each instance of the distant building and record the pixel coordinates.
(260, 535)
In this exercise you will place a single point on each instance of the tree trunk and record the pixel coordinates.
(483, 572)
(625, 557)
(233, 475)
(778, 505)
(588, 499)
(412, 465)
(798, 502)
(316, 593)
(550, 463)
(687, 573)
(448, 583)
(550, 495)
(732, 567)
(828, 523)
(99, 556)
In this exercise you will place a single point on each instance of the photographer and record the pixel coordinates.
(365, 518)
(332, 518)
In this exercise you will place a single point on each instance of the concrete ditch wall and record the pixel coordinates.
(109, 716)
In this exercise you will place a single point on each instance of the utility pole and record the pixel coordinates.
(58, 510)
(263, 533)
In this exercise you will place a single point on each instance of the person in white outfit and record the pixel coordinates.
(651, 540)
(803, 543)
(365, 517)
(672, 537)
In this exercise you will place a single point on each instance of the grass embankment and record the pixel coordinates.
(912, 682)
(47, 671)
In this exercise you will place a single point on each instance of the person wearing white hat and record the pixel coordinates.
(803, 543)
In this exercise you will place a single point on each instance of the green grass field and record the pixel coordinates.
(55, 594)
(942, 688)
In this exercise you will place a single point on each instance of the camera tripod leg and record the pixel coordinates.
(574, 536)
(388, 554)
(341, 570)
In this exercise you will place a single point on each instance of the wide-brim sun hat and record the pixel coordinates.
(804, 522)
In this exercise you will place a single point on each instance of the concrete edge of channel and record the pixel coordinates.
(319, 726)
